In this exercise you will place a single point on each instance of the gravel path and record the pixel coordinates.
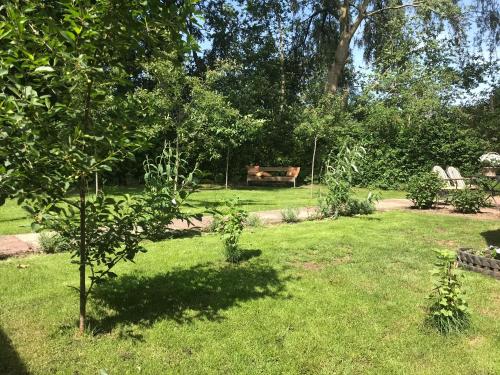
(22, 244)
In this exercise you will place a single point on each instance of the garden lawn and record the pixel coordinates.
(15, 220)
(345, 296)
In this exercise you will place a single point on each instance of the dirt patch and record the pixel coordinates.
(308, 266)
(342, 260)
(476, 341)
(11, 245)
(448, 243)
(492, 213)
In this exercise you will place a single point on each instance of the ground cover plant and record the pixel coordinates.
(316, 297)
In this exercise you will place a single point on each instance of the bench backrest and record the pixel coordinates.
(290, 171)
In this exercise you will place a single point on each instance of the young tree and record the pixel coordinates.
(319, 123)
(60, 62)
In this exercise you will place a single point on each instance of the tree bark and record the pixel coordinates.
(312, 169)
(83, 257)
(337, 67)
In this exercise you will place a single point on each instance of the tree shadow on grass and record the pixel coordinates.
(492, 237)
(184, 295)
(10, 362)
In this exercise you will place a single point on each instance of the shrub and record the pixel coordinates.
(51, 242)
(290, 215)
(423, 189)
(448, 311)
(254, 221)
(361, 206)
(468, 201)
(338, 178)
(230, 224)
(167, 185)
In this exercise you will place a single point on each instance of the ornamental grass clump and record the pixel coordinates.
(230, 223)
(448, 312)
(290, 215)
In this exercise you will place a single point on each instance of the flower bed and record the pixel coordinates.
(483, 263)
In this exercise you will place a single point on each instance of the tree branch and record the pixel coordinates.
(395, 7)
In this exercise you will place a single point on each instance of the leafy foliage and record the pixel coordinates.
(468, 201)
(423, 189)
(111, 233)
(338, 178)
(230, 223)
(448, 311)
(60, 65)
(167, 185)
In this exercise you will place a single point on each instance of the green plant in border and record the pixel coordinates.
(338, 178)
(230, 223)
(167, 186)
(448, 311)
(290, 215)
(468, 201)
(423, 189)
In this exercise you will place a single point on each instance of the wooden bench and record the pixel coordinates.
(256, 173)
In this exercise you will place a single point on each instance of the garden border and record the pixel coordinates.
(480, 264)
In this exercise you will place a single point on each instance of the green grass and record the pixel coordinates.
(343, 297)
(15, 220)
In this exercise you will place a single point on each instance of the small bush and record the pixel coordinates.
(230, 224)
(290, 215)
(468, 201)
(448, 311)
(423, 189)
(340, 174)
(254, 221)
(51, 243)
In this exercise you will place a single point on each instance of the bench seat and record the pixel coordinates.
(263, 174)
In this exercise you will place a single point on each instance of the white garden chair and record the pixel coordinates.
(461, 183)
(449, 184)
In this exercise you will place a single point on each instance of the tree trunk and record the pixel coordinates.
(282, 63)
(337, 67)
(96, 183)
(83, 257)
(227, 166)
(312, 169)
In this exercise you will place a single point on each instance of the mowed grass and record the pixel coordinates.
(328, 297)
(14, 219)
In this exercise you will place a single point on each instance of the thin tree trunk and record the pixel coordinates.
(312, 169)
(227, 167)
(83, 257)
(282, 62)
(96, 183)
(176, 164)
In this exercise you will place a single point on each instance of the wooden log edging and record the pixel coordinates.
(477, 263)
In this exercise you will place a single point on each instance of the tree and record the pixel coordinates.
(60, 63)
(332, 25)
(319, 121)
